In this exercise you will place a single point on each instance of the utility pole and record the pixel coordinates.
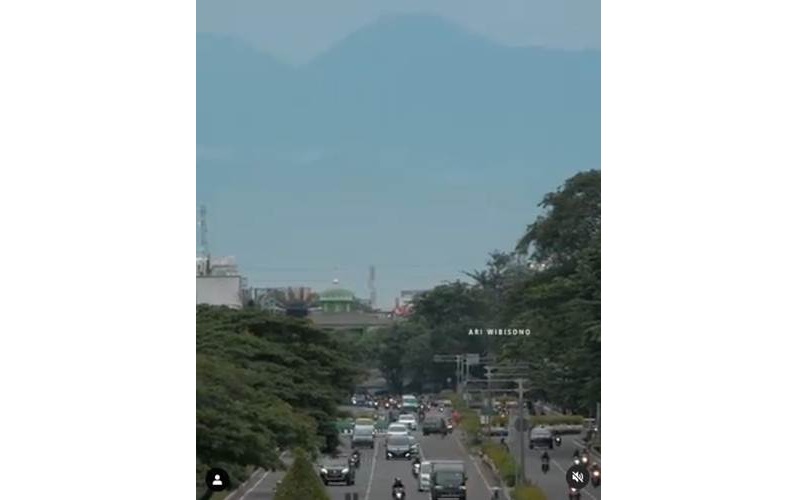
(522, 430)
(522, 427)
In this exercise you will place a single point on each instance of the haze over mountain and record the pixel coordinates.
(410, 130)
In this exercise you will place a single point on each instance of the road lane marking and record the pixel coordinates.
(266, 473)
(371, 472)
(477, 467)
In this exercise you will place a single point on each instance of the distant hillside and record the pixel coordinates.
(409, 130)
(413, 83)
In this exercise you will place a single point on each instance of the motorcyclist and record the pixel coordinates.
(545, 458)
(398, 484)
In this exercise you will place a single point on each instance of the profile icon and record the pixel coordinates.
(217, 479)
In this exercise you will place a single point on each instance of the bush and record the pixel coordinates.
(301, 481)
(471, 425)
(503, 460)
(528, 492)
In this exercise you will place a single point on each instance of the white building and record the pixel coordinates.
(218, 283)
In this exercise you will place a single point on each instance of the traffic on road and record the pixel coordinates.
(419, 458)
(372, 473)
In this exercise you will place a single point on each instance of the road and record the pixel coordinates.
(554, 482)
(375, 476)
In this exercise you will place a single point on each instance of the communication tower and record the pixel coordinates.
(373, 296)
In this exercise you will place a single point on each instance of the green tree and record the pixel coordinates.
(561, 299)
(570, 223)
(264, 383)
(557, 298)
(301, 481)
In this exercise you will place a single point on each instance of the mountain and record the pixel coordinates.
(408, 82)
(404, 126)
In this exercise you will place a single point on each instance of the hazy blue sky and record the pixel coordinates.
(310, 175)
(296, 30)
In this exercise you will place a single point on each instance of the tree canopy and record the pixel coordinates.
(549, 283)
(265, 383)
(301, 481)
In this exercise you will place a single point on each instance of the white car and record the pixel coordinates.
(409, 420)
(396, 429)
(425, 470)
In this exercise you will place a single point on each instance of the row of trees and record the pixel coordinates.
(265, 383)
(549, 283)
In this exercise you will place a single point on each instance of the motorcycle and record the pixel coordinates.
(585, 459)
(574, 494)
(398, 494)
(558, 440)
(576, 460)
(545, 467)
(415, 470)
(595, 477)
(355, 461)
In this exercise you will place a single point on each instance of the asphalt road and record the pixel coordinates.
(375, 476)
(554, 482)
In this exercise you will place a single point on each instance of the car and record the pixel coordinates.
(435, 425)
(448, 480)
(409, 420)
(403, 447)
(396, 429)
(540, 437)
(337, 471)
(424, 479)
(363, 435)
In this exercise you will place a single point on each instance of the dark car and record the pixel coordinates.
(363, 436)
(403, 447)
(337, 471)
(449, 480)
(434, 425)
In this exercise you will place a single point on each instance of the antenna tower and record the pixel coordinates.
(205, 255)
(373, 296)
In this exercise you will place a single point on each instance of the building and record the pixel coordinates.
(339, 309)
(408, 296)
(338, 300)
(220, 291)
(218, 283)
(404, 304)
(285, 299)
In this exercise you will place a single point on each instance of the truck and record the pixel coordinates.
(541, 437)
(448, 480)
